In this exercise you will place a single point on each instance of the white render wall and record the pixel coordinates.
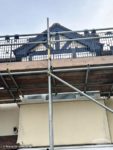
(109, 103)
(9, 116)
(75, 122)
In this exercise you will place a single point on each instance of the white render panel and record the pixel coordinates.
(75, 122)
(109, 103)
(9, 116)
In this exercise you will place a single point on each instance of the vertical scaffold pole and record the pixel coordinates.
(51, 137)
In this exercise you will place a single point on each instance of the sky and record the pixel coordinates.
(29, 16)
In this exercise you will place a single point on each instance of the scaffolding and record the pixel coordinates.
(14, 42)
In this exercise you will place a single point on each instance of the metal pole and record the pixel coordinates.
(15, 83)
(51, 139)
(81, 38)
(56, 41)
(61, 32)
(75, 31)
(24, 35)
(8, 89)
(56, 70)
(83, 68)
(22, 43)
(11, 52)
(82, 93)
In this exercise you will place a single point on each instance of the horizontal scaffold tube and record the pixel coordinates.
(45, 71)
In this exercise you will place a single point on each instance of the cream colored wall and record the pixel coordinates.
(77, 122)
(9, 116)
(109, 103)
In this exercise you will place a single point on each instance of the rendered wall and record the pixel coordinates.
(77, 122)
(9, 116)
(109, 103)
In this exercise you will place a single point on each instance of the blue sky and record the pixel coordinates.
(29, 16)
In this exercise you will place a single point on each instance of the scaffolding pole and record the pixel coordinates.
(51, 136)
(56, 41)
(53, 33)
(82, 93)
(45, 71)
